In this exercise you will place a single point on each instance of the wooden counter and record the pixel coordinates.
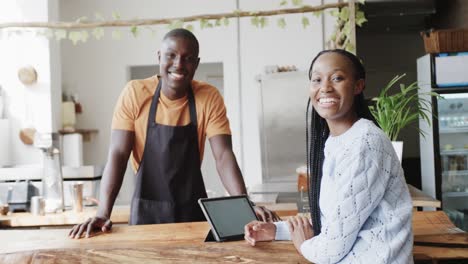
(165, 243)
(182, 243)
(421, 199)
(437, 227)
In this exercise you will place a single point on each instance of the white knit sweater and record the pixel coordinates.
(365, 204)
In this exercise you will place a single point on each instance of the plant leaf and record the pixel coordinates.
(84, 36)
(404, 108)
(263, 22)
(305, 22)
(281, 22)
(134, 30)
(99, 16)
(360, 18)
(225, 21)
(98, 33)
(44, 33)
(237, 12)
(117, 34)
(347, 29)
(335, 13)
(205, 23)
(60, 34)
(296, 2)
(350, 47)
(283, 3)
(74, 36)
(115, 15)
(344, 14)
(189, 27)
(176, 24)
(255, 21)
(81, 19)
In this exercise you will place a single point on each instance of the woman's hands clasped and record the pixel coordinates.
(257, 231)
(300, 229)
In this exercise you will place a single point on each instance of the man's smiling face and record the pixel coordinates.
(178, 60)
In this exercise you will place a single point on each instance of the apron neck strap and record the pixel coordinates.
(154, 106)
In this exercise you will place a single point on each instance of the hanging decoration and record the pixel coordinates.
(83, 28)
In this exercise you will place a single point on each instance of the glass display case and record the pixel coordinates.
(444, 148)
(453, 144)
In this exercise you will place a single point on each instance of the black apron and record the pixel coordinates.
(169, 180)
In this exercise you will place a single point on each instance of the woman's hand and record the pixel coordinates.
(300, 229)
(256, 231)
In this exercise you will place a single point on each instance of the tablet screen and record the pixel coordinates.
(228, 215)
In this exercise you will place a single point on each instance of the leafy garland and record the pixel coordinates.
(342, 37)
(78, 31)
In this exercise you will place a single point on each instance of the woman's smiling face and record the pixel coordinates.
(333, 86)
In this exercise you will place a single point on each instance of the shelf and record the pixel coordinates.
(455, 194)
(453, 130)
(86, 133)
(454, 152)
(455, 173)
(35, 171)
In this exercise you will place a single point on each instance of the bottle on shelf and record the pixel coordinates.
(52, 181)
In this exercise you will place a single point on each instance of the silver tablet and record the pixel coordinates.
(228, 216)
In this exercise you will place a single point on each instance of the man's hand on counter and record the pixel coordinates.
(91, 225)
(266, 215)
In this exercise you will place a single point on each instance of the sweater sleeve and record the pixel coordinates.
(360, 188)
(282, 231)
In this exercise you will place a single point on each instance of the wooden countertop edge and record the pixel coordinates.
(120, 215)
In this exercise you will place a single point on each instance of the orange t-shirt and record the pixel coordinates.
(132, 110)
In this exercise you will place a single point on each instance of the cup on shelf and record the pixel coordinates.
(37, 205)
(76, 191)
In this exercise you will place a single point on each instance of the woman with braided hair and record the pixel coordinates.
(360, 204)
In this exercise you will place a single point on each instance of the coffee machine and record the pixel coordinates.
(19, 195)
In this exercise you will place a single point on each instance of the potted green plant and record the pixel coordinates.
(399, 110)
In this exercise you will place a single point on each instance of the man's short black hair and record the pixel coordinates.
(183, 33)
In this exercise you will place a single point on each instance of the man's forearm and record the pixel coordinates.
(230, 173)
(110, 185)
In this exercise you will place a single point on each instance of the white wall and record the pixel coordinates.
(29, 106)
(98, 70)
(292, 45)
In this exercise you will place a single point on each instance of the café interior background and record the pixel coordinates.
(232, 56)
